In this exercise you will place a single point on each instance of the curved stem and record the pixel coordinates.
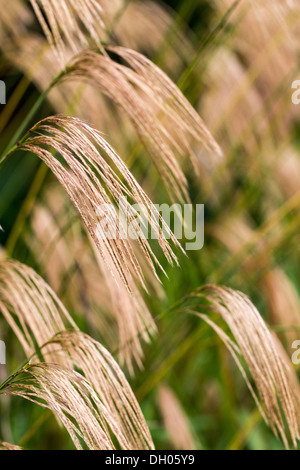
(14, 142)
(25, 209)
(34, 188)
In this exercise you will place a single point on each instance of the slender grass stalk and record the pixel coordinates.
(17, 137)
(35, 187)
(26, 209)
(245, 431)
(34, 428)
(210, 38)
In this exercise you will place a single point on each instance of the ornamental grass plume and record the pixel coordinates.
(72, 23)
(84, 181)
(101, 370)
(83, 415)
(30, 307)
(267, 362)
(166, 123)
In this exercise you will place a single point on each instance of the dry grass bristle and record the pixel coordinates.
(101, 370)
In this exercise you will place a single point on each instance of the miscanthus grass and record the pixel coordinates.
(131, 344)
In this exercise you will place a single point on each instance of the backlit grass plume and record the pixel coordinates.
(166, 123)
(35, 314)
(71, 23)
(30, 307)
(73, 401)
(100, 369)
(84, 175)
(39, 321)
(89, 286)
(267, 363)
